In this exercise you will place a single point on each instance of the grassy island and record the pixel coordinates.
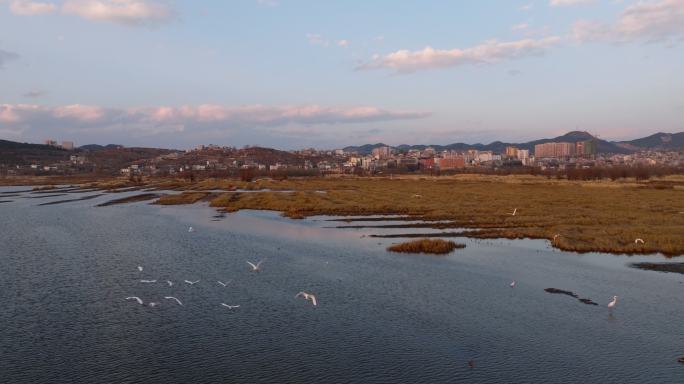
(433, 246)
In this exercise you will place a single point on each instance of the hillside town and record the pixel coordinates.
(65, 158)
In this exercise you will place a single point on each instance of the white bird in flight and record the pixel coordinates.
(173, 298)
(230, 306)
(514, 212)
(136, 298)
(224, 284)
(255, 268)
(638, 241)
(140, 268)
(192, 282)
(307, 296)
(169, 282)
(513, 284)
(613, 303)
(191, 229)
(148, 281)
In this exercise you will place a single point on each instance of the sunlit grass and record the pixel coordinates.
(434, 246)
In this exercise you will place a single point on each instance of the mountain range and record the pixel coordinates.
(658, 141)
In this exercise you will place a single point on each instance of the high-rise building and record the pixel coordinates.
(586, 148)
(554, 150)
(69, 145)
(382, 152)
(511, 152)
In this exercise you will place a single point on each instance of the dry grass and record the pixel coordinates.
(594, 216)
(131, 199)
(182, 198)
(433, 246)
(588, 216)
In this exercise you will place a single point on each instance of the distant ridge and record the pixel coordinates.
(658, 141)
(98, 147)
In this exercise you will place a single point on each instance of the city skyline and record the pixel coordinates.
(288, 74)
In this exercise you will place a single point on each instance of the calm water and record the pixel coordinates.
(382, 317)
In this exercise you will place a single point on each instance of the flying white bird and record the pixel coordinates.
(173, 298)
(224, 284)
(230, 306)
(169, 282)
(514, 212)
(192, 282)
(307, 296)
(513, 284)
(255, 268)
(612, 303)
(638, 241)
(140, 268)
(136, 298)
(417, 196)
(191, 229)
(148, 281)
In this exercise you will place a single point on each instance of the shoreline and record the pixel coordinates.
(574, 216)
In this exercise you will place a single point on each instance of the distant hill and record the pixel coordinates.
(663, 141)
(364, 149)
(12, 153)
(660, 140)
(98, 147)
(603, 146)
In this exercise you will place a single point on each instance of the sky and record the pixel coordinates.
(313, 73)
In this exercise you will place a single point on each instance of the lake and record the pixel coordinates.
(381, 317)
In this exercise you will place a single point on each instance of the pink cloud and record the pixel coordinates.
(645, 20)
(492, 51)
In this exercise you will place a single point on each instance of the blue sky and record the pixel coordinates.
(298, 73)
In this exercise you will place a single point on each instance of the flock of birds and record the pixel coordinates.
(255, 268)
(305, 295)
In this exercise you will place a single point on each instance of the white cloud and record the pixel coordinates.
(645, 20)
(520, 27)
(565, 3)
(6, 56)
(317, 39)
(30, 8)
(527, 7)
(343, 43)
(404, 61)
(34, 93)
(126, 12)
(268, 3)
(88, 118)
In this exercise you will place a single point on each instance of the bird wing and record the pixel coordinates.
(300, 294)
(253, 266)
(313, 299)
(259, 263)
(173, 298)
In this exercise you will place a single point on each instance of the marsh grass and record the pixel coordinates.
(603, 215)
(432, 246)
(183, 198)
